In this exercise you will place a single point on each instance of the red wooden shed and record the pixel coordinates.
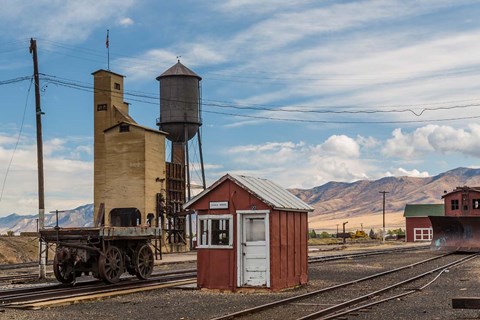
(417, 223)
(251, 233)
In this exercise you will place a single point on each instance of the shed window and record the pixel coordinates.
(454, 204)
(255, 229)
(116, 86)
(124, 128)
(215, 231)
(476, 204)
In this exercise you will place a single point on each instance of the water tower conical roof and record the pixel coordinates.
(179, 69)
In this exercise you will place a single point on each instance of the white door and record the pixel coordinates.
(254, 253)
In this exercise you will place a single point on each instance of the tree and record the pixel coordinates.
(371, 234)
(312, 234)
(324, 235)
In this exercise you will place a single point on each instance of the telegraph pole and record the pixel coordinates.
(41, 191)
(384, 193)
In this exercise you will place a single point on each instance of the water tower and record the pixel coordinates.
(180, 117)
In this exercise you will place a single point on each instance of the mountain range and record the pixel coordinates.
(78, 217)
(359, 202)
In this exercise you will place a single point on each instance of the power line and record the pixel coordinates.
(89, 88)
(341, 122)
(15, 80)
(305, 109)
(18, 139)
(260, 75)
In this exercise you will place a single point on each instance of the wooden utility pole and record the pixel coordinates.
(384, 193)
(41, 191)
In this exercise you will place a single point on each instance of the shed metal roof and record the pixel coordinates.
(267, 191)
(423, 210)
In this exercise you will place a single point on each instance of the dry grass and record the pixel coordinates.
(16, 249)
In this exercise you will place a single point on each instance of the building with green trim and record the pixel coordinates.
(418, 225)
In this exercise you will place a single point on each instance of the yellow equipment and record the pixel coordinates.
(359, 234)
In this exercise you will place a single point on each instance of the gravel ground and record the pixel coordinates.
(432, 303)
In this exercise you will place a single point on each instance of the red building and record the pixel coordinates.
(463, 201)
(250, 233)
(417, 224)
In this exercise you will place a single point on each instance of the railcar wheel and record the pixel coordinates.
(110, 265)
(144, 262)
(62, 270)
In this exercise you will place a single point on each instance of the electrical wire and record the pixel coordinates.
(341, 122)
(255, 76)
(18, 139)
(304, 109)
(15, 80)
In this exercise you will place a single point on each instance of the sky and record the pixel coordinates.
(300, 92)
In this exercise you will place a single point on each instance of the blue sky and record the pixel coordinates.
(300, 92)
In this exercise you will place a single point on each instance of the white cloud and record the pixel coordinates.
(434, 138)
(126, 21)
(68, 182)
(400, 172)
(148, 64)
(302, 165)
(367, 142)
(341, 146)
(60, 20)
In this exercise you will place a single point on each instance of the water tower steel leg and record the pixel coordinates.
(187, 171)
(201, 160)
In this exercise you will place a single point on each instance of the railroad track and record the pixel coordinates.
(14, 278)
(323, 258)
(60, 294)
(352, 296)
(21, 265)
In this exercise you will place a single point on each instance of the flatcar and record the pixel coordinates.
(105, 252)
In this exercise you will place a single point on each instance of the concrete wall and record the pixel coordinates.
(154, 169)
(134, 161)
(105, 94)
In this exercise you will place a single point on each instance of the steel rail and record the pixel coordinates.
(15, 277)
(314, 259)
(19, 292)
(346, 304)
(320, 291)
(21, 265)
(18, 300)
(62, 301)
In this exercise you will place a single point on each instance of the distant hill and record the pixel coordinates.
(78, 217)
(340, 200)
(358, 202)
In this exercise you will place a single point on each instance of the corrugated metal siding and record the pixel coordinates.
(273, 194)
(288, 249)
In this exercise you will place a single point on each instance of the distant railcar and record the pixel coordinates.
(459, 229)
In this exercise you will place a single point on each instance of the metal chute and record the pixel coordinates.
(456, 233)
